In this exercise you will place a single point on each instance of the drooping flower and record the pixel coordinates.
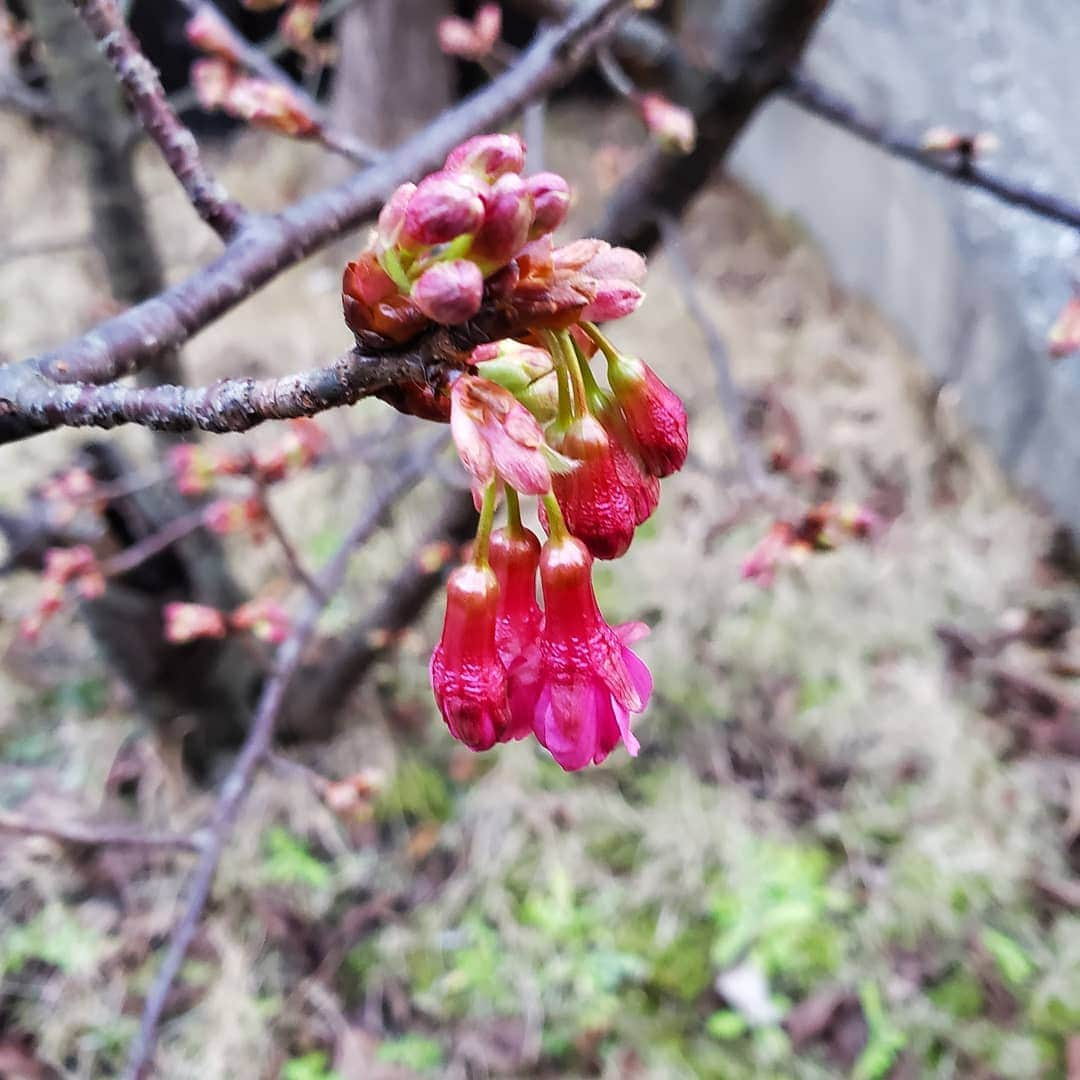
(654, 414)
(467, 676)
(590, 680)
(515, 557)
(495, 435)
(598, 509)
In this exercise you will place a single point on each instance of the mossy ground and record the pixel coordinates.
(824, 863)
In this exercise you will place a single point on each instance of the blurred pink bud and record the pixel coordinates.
(508, 214)
(942, 140)
(188, 622)
(1064, 336)
(212, 81)
(265, 619)
(297, 25)
(270, 105)
(208, 31)
(471, 40)
(225, 516)
(670, 124)
(551, 202)
(490, 155)
(441, 209)
(760, 565)
(449, 292)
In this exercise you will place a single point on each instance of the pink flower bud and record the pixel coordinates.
(188, 622)
(508, 215)
(654, 414)
(670, 124)
(489, 155)
(551, 202)
(392, 215)
(212, 81)
(613, 300)
(471, 40)
(208, 31)
(467, 676)
(598, 509)
(449, 292)
(1064, 336)
(441, 209)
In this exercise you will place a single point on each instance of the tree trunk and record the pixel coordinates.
(391, 76)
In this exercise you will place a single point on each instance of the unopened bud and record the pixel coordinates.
(441, 209)
(449, 292)
(508, 215)
(489, 155)
(551, 202)
(670, 124)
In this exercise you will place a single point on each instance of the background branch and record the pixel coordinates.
(140, 81)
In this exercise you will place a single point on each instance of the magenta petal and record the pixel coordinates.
(629, 632)
(640, 676)
(608, 729)
(622, 718)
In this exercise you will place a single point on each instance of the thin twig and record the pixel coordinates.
(252, 754)
(727, 391)
(288, 549)
(821, 102)
(143, 86)
(89, 835)
(152, 545)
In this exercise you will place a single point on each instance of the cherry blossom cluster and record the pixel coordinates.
(529, 417)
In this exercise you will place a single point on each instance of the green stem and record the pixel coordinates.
(566, 346)
(602, 342)
(566, 409)
(487, 520)
(556, 522)
(513, 512)
(592, 387)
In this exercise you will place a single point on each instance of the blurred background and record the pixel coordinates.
(851, 843)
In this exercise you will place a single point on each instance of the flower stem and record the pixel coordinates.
(566, 347)
(483, 528)
(513, 512)
(602, 342)
(556, 522)
(566, 410)
(592, 387)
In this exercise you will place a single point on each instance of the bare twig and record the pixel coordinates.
(816, 99)
(152, 545)
(252, 754)
(727, 391)
(89, 835)
(266, 246)
(288, 549)
(143, 86)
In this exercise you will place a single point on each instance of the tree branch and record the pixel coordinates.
(816, 99)
(264, 246)
(144, 90)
